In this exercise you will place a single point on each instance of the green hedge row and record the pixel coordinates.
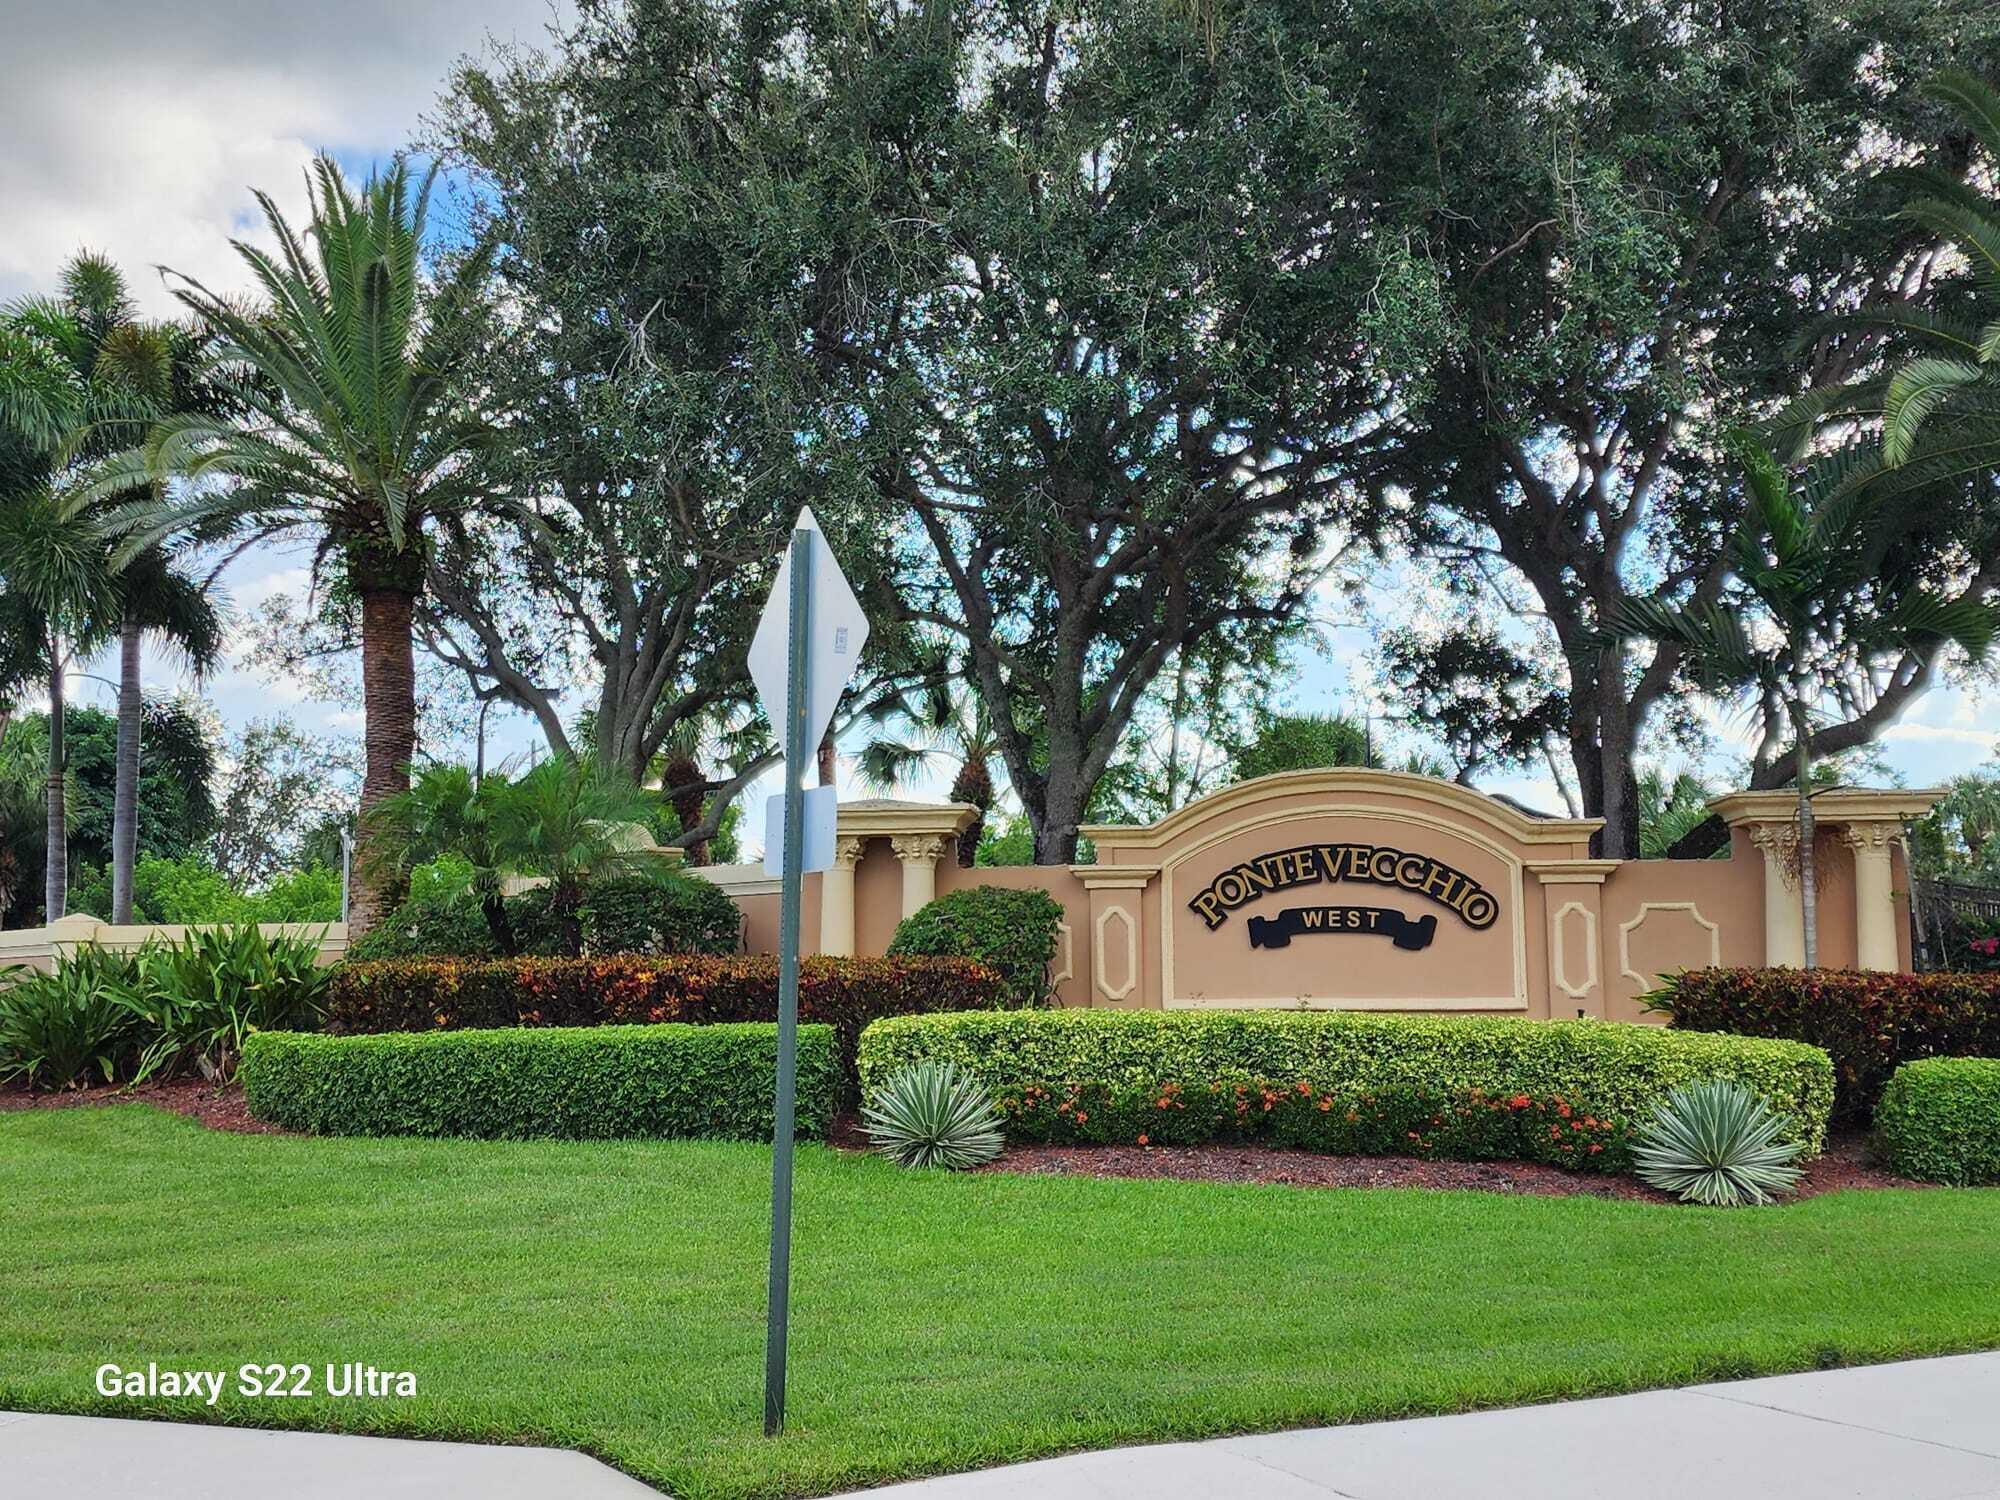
(575, 1083)
(1869, 1023)
(1939, 1120)
(1566, 1092)
(845, 993)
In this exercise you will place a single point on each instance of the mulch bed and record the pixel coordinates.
(218, 1106)
(1845, 1164)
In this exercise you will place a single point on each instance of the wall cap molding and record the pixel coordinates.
(1346, 780)
(1115, 877)
(1573, 871)
(883, 817)
(1840, 804)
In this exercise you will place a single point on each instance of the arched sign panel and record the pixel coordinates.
(1348, 889)
(1348, 906)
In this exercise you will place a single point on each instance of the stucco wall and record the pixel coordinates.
(1361, 889)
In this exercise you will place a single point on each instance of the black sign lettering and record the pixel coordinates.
(1371, 864)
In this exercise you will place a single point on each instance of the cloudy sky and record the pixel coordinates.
(142, 131)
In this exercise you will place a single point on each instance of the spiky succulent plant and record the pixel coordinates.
(931, 1114)
(1716, 1143)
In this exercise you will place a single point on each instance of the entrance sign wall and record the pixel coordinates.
(1374, 890)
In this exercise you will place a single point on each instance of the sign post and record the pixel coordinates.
(801, 658)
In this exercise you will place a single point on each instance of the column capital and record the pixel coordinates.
(1779, 844)
(917, 848)
(1859, 836)
(847, 850)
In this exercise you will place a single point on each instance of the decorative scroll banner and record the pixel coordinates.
(1382, 921)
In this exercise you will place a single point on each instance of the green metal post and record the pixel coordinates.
(796, 750)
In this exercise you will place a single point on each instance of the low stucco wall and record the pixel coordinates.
(40, 947)
(1371, 890)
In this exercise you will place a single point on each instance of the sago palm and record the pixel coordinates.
(354, 424)
(1812, 608)
(446, 811)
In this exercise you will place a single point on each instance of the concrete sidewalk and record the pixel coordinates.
(1922, 1430)
(108, 1456)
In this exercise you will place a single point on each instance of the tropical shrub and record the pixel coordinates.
(1939, 1120)
(196, 1001)
(1868, 1022)
(1571, 1093)
(69, 1028)
(1014, 931)
(439, 921)
(657, 912)
(576, 1083)
(1715, 1143)
(932, 1115)
(845, 993)
(663, 913)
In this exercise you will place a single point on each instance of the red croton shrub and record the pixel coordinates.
(847, 993)
(1868, 1022)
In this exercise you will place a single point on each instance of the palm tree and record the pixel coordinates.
(945, 724)
(156, 597)
(352, 424)
(447, 810)
(570, 819)
(90, 374)
(1670, 810)
(1938, 400)
(1815, 609)
(59, 600)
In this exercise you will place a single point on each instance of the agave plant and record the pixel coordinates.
(932, 1115)
(1716, 1143)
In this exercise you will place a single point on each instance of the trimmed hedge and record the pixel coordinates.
(1939, 1120)
(1870, 1023)
(845, 993)
(1567, 1092)
(1012, 930)
(573, 1083)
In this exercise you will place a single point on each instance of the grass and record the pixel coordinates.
(609, 1296)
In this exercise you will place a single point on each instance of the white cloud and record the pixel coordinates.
(141, 134)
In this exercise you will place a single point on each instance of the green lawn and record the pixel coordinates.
(610, 1296)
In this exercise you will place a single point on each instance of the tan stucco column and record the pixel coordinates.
(919, 853)
(836, 899)
(1784, 915)
(1771, 821)
(1874, 894)
(1117, 932)
(1573, 893)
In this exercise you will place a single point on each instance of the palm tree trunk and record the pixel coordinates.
(389, 702)
(828, 759)
(55, 888)
(1808, 866)
(125, 792)
(974, 784)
